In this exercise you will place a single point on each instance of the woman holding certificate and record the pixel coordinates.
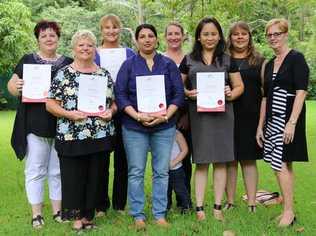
(81, 96)
(149, 91)
(213, 82)
(246, 111)
(281, 129)
(110, 55)
(34, 128)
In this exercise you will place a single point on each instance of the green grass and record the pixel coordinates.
(15, 212)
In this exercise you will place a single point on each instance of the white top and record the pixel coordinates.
(174, 153)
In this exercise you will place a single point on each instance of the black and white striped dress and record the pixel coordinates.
(280, 89)
(273, 146)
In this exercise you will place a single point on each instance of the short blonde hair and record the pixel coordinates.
(83, 34)
(115, 20)
(282, 23)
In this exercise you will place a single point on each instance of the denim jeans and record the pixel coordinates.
(137, 145)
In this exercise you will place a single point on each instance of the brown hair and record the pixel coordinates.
(254, 57)
(282, 23)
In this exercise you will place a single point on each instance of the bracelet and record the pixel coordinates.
(138, 117)
(292, 122)
(166, 118)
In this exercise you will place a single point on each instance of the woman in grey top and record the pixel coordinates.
(212, 132)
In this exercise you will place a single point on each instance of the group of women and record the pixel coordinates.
(264, 118)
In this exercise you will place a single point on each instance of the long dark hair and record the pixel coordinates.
(197, 49)
(253, 56)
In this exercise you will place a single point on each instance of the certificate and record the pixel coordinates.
(112, 59)
(37, 78)
(92, 94)
(151, 95)
(211, 91)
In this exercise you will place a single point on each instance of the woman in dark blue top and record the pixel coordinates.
(142, 131)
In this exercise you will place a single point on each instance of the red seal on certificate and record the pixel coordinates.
(161, 105)
(101, 108)
(219, 102)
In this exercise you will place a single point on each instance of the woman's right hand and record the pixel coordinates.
(191, 93)
(19, 84)
(144, 118)
(76, 115)
(260, 137)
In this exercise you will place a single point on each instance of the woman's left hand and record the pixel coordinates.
(156, 121)
(289, 131)
(107, 115)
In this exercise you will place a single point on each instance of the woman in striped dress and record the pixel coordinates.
(281, 129)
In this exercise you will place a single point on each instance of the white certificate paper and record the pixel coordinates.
(92, 94)
(112, 59)
(151, 95)
(37, 78)
(211, 91)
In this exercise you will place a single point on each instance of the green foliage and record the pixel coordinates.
(16, 21)
(15, 33)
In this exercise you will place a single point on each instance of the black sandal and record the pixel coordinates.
(218, 213)
(58, 218)
(89, 226)
(229, 206)
(252, 208)
(37, 222)
(200, 215)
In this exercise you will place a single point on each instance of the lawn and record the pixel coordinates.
(15, 213)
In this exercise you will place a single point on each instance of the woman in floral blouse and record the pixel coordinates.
(83, 142)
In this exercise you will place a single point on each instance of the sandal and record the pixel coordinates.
(200, 214)
(37, 222)
(217, 212)
(89, 226)
(252, 208)
(58, 218)
(229, 206)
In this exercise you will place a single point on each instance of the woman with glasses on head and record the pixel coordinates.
(212, 132)
(281, 130)
(111, 27)
(246, 113)
(34, 128)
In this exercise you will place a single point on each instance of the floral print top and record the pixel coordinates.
(65, 88)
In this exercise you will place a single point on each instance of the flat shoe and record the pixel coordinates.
(162, 223)
(140, 225)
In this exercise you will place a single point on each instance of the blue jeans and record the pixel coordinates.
(137, 145)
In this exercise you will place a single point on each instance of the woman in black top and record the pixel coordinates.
(246, 111)
(281, 129)
(34, 128)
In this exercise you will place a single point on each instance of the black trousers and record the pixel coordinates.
(177, 184)
(119, 193)
(186, 164)
(81, 180)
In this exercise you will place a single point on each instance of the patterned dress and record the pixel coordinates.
(279, 89)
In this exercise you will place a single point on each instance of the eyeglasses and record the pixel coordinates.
(274, 35)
